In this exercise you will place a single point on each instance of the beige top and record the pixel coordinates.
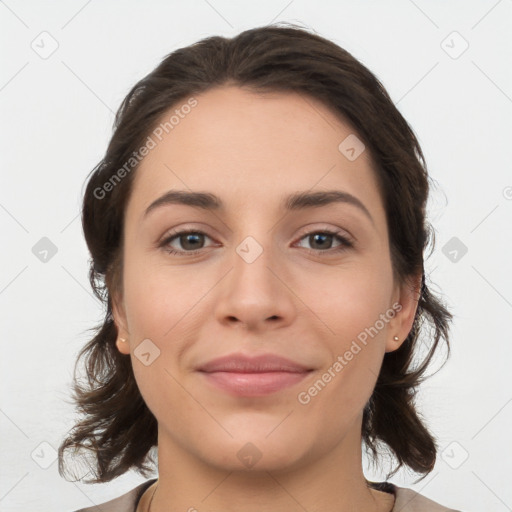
(406, 500)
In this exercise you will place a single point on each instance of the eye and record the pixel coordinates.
(189, 240)
(324, 239)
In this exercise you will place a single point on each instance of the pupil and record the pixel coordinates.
(321, 237)
(187, 237)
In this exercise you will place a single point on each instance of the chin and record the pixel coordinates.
(256, 453)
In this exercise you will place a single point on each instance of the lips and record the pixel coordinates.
(245, 376)
(264, 363)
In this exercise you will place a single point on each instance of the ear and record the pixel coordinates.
(119, 314)
(407, 296)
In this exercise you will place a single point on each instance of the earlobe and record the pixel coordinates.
(401, 325)
(119, 315)
(123, 346)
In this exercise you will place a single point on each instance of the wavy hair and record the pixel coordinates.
(117, 429)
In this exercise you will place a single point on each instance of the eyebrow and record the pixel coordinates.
(293, 202)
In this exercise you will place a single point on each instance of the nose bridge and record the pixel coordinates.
(252, 263)
(255, 250)
(253, 292)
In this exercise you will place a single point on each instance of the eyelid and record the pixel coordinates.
(179, 230)
(304, 231)
(326, 228)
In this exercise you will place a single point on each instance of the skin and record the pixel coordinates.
(294, 300)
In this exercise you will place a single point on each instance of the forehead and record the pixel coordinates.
(243, 146)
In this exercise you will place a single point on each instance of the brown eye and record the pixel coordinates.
(189, 241)
(321, 241)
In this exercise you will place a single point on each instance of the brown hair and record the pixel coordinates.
(118, 429)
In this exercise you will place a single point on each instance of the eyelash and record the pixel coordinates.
(345, 242)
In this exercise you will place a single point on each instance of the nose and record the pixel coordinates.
(256, 293)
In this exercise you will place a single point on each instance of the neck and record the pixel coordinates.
(332, 482)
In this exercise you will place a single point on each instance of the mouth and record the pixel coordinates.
(253, 384)
(241, 375)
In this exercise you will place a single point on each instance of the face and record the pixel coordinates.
(312, 283)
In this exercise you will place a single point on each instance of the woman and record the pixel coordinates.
(257, 230)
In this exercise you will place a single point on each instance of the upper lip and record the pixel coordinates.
(240, 363)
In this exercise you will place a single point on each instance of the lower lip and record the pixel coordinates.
(253, 384)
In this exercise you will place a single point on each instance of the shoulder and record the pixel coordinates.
(125, 503)
(407, 500)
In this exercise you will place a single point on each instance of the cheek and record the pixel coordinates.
(159, 299)
(350, 300)
(163, 305)
(355, 307)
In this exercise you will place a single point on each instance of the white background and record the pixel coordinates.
(57, 115)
